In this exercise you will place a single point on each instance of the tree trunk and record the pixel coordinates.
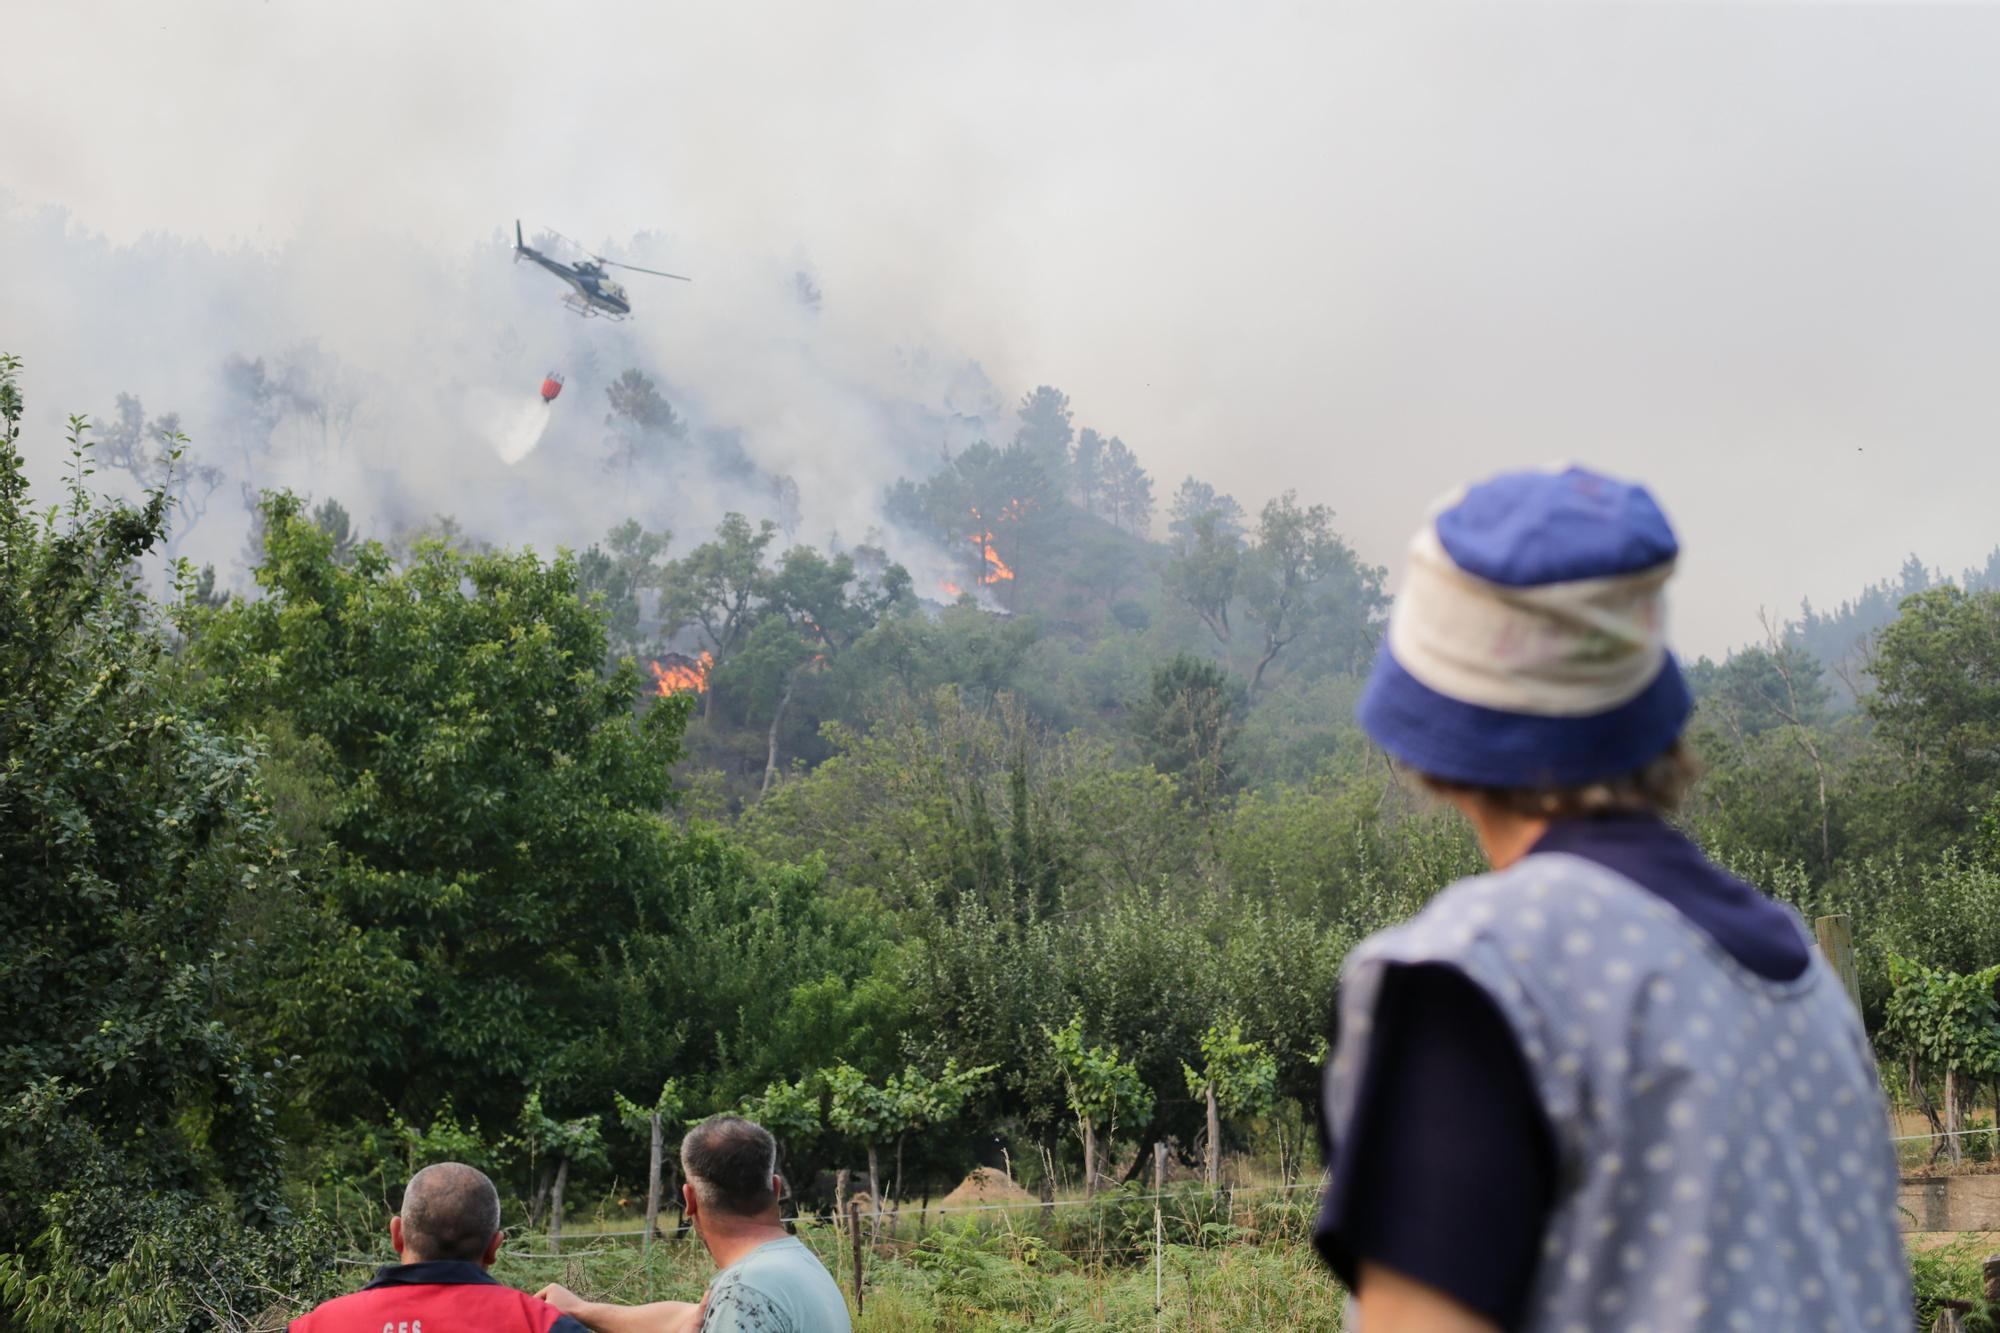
(1214, 1141)
(538, 1198)
(653, 1180)
(840, 1198)
(1952, 1120)
(1048, 1181)
(771, 738)
(1089, 1160)
(1142, 1158)
(1272, 647)
(556, 1205)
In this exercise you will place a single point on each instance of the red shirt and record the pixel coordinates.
(439, 1296)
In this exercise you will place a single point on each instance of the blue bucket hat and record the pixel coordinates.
(1527, 645)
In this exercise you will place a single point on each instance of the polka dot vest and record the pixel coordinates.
(1721, 1142)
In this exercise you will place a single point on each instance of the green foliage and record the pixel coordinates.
(1300, 578)
(1937, 705)
(1187, 724)
(1945, 1020)
(139, 863)
(1941, 1273)
(719, 585)
(538, 1135)
(1242, 1073)
(791, 1111)
(670, 1106)
(862, 1110)
(618, 577)
(1100, 1088)
(495, 828)
(113, 1260)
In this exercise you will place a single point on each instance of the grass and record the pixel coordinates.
(982, 1280)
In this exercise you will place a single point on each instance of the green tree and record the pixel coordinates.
(720, 586)
(1945, 1023)
(1100, 1088)
(1197, 499)
(667, 1109)
(1204, 569)
(1186, 725)
(1086, 469)
(817, 609)
(135, 1100)
(550, 1146)
(1044, 430)
(1301, 577)
(494, 831)
(642, 421)
(1236, 1078)
(1127, 488)
(1937, 706)
(619, 574)
(920, 1101)
(865, 1114)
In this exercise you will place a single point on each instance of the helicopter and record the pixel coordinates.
(593, 294)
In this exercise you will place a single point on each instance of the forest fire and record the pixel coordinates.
(995, 569)
(678, 673)
(951, 589)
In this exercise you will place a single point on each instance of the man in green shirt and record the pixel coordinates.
(769, 1283)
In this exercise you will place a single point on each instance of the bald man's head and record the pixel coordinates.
(450, 1211)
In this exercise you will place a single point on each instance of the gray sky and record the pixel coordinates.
(1749, 254)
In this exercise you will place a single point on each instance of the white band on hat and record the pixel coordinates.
(1555, 650)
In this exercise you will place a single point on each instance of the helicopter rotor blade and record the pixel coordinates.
(636, 269)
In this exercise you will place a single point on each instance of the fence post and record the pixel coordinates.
(855, 1227)
(1159, 1229)
(653, 1185)
(1836, 942)
(1214, 1140)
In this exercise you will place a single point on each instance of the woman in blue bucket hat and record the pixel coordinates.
(1607, 1085)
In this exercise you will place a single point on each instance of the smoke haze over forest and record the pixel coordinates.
(1746, 254)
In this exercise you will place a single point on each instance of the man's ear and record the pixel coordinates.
(777, 1189)
(492, 1250)
(396, 1235)
(690, 1201)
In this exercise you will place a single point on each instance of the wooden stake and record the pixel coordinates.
(1214, 1141)
(653, 1185)
(1159, 1230)
(1836, 943)
(854, 1225)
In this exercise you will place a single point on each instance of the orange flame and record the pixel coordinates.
(951, 589)
(683, 675)
(996, 569)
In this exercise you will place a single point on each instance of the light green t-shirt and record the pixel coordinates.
(779, 1287)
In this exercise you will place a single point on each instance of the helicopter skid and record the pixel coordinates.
(590, 310)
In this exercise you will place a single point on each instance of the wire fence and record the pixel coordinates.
(899, 1229)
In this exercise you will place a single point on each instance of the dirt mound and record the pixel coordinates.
(985, 1185)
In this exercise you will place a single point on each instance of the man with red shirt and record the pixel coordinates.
(447, 1236)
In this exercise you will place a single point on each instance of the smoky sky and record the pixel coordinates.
(1748, 254)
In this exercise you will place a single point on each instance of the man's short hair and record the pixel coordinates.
(450, 1211)
(730, 1162)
